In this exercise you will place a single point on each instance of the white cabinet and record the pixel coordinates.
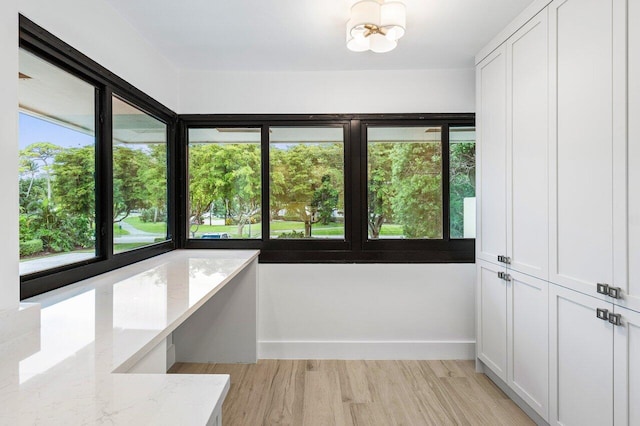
(528, 340)
(513, 331)
(491, 130)
(492, 317)
(632, 288)
(528, 148)
(581, 360)
(627, 368)
(512, 157)
(595, 365)
(581, 202)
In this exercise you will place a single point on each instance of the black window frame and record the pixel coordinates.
(36, 40)
(356, 248)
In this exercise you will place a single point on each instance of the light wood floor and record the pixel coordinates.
(353, 393)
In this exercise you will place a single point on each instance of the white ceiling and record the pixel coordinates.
(305, 35)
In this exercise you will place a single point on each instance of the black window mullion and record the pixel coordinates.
(446, 202)
(104, 174)
(180, 183)
(266, 183)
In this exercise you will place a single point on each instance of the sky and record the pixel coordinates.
(33, 130)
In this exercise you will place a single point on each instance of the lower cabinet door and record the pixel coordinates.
(528, 340)
(580, 360)
(492, 318)
(627, 368)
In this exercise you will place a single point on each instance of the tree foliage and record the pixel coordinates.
(462, 183)
(228, 175)
(301, 175)
(417, 179)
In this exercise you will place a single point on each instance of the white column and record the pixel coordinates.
(9, 275)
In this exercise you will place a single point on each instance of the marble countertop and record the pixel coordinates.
(71, 370)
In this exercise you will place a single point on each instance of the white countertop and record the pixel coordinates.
(67, 372)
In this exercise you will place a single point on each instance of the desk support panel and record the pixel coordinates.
(224, 330)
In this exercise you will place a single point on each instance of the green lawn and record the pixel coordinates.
(118, 232)
(277, 227)
(152, 227)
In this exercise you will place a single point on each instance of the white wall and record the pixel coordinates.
(351, 311)
(360, 311)
(327, 92)
(94, 28)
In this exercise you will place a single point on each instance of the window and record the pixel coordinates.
(139, 178)
(404, 182)
(96, 167)
(225, 187)
(340, 188)
(306, 182)
(462, 187)
(57, 139)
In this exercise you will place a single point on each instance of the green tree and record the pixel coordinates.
(462, 183)
(130, 190)
(379, 186)
(417, 178)
(155, 178)
(44, 153)
(325, 200)
(74, 182)
(297, 172)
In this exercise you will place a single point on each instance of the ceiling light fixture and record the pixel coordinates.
(376, 25)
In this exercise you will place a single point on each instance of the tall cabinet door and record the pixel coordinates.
(528, 340)
(581, 213)
(580, 354)
(528, 148)
(492, 318)
(491, 87)
(633, 150)
(627, 368)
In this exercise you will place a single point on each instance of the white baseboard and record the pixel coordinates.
(374, 350)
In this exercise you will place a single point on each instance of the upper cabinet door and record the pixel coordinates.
(491, 87)
(633, 148)
(528, 148)
(581, 163)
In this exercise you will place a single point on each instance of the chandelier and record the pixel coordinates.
(376, 25)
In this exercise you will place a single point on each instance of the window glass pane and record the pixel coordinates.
(462, 160)
(306, 182)
(404, 183)
(139, 178)
(225, 184)
(57, 164)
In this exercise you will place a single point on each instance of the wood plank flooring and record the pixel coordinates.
(358, 393)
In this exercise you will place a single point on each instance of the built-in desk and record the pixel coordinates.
(84, 365)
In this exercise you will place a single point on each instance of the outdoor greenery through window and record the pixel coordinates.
(225, 183)
(404, 182)
(462, 178)
(306, 182)
(57, 165)
(139, 178)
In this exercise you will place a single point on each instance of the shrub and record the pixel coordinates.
(228, 221)
(292, 234)
(27, 248)
(149, 215)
